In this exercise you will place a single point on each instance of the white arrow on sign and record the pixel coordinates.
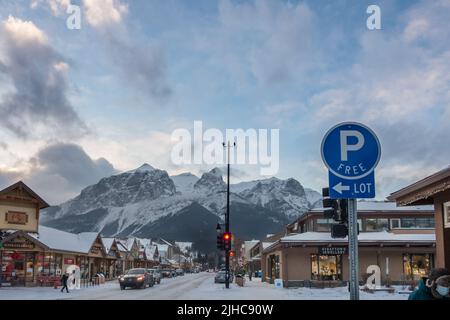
(339, 188)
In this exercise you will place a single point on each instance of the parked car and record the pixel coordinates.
(136, 278)
(156, 275)
(180, 272)
(220, 277)
(166, 273)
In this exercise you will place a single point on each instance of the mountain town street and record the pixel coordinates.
(199, 286)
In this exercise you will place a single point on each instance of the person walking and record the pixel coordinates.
(64, 279)
(250, 275)
(435, 287)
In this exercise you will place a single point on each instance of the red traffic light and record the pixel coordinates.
(231, 253)
(226, 236)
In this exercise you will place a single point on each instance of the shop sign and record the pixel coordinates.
(14, 217)
(68, 261)
(19, 243)
(332, 251)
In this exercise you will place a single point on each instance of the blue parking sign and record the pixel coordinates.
(351, 151)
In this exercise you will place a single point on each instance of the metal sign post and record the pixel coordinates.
(353, 249)
(351, 151)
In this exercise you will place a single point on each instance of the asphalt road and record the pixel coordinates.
(170, 289)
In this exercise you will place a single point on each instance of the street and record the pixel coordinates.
(198, 286)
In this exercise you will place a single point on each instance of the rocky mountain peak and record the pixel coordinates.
(144, 168)
(211, 181)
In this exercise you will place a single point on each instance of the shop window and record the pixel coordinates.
(395, 223)
(323, 225)
(424, 223)
(447, 215)
(17, 267)
(412, 223)
(274, 266)
(408, 223)
(326, 268)
(377, 224)
(416, 266)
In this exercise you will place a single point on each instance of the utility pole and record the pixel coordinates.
(227, 217)
(353, 248)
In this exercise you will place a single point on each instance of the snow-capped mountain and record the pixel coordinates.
(287, 196)
(146, 202)
(184, 183)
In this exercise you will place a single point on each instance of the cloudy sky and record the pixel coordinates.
(78, 105)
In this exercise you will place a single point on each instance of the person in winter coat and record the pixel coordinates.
(64, 279)
(435, 287)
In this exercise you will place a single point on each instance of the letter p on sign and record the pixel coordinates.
(345, 147)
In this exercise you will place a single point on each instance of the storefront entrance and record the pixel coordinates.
(17, 268)
(274, 267)
(326, 267)
(416, 266)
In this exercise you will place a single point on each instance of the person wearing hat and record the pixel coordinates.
(435, 287)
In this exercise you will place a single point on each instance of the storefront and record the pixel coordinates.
(317, 260)
(433, 190)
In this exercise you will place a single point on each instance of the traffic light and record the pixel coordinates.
(220, 242)
(343, 208)
(336, 209)
(331, 206)
(232, 254)
(339, 230)
(227, 241)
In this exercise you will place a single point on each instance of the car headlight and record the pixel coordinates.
(140, 278)
(121, 278)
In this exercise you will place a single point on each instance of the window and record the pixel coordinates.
(395, 223)
(408, 223)
(416, 266)
(412, 223)
(274, 267)
(377, 224)
(326, 267)
(323, 225)
(424, 223)
(447, 215)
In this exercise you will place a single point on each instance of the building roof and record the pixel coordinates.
(184, 246)
(65, 241)
(21, 185)
(162, 247)
(422, 191)
(166, 242)
(150, 252)
(266, 244)
(121, 245)
(363, 237)
(107, 243)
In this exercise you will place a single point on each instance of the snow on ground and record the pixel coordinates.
(199, 286)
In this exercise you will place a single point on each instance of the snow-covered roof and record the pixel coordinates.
(127, 243)
(184, 246)
(162, 247)
(382, 236)
(150, 251)
(122, 245)
(107, 243)
(266, 244)
(144, 242)
(166, 242)
(65, 241)
(371, 206)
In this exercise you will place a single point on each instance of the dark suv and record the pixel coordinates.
(136, 278)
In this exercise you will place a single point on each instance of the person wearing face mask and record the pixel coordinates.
(435, 287)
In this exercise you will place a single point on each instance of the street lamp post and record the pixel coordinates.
(227, 216)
